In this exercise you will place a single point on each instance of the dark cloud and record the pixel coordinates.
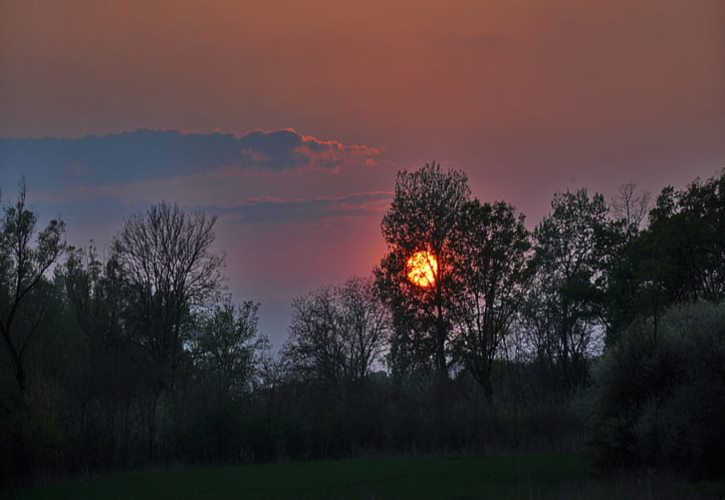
(306, 210)
(148, 154)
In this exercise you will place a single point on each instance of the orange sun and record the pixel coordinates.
(422, 267)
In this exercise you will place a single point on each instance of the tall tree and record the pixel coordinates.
(494, 269)
(567, 290)
(424, 217)
(165, 257)
(25, 257)
(168, 268)
(627, 214)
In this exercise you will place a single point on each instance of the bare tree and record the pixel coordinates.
(315, 347)
(366, 324)
(337, 333)
(24, 260)
(631, 205)
(168, 268)
(165, 256)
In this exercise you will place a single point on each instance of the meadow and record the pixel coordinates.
(524, 476)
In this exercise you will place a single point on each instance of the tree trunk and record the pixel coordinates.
(152, 431)
(17, 360)
(440, 339)
(487, 389)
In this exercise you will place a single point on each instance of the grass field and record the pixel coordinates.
(500, 477)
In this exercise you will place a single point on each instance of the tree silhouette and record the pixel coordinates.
(224, 344)
(168, 268)
(424, 216)
(337, 333)
(493, 270)
(563, 302)
(166, 260)
(24, 260)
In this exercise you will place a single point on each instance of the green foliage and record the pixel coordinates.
(659, 397)
(25, 257)
(679, 257)
(224, 345)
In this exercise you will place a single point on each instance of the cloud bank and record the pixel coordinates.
(51, 162)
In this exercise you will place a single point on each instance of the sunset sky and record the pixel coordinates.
(289, 118)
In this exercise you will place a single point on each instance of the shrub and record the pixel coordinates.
(659, 395)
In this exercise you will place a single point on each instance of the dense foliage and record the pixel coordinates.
(659, 396)
(141, 358)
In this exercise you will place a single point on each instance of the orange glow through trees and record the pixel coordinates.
(422, 267)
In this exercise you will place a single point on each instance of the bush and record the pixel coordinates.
(659, 395)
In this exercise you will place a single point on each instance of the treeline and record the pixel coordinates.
(141, 358)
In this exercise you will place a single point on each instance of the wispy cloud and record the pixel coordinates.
(310, 210)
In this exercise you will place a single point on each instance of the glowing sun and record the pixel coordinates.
(422, 267)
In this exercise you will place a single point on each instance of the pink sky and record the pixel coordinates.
(528, 97)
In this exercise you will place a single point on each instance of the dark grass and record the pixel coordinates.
(499, 477)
